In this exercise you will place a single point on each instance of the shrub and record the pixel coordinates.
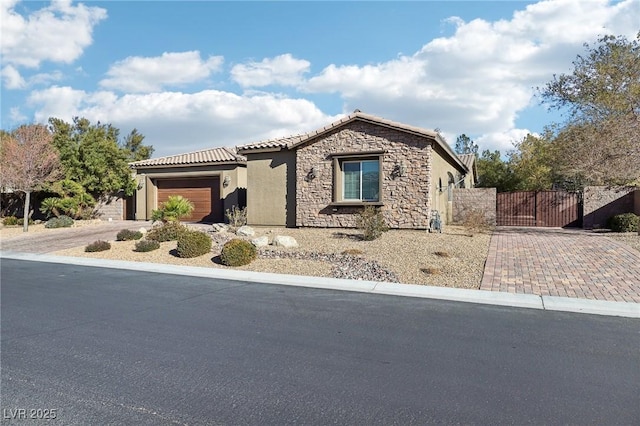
(193, 244)
(128, 235)
(238, 252)
(59, 222)
(10, 221)
(626, 222)
(372, 223)
(475, 221)
(21, 221)
(237, 217)
(144, 246)
(97, 246)
(175, 208)
(169, 231)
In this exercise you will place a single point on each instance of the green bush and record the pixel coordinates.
(97, 246)
(175, 208)
(169, 231)
(627, 222)
(238, 252)
(144, 246)
(128, 235)
(59, 222)
(10, 221)
(193, 244)
(372, 223)
(21, 221)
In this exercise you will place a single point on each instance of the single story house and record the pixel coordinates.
(324, 177)
(214, 180)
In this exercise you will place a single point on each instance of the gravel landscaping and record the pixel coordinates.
(451, 259)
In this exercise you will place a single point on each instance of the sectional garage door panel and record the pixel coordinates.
(203, 193)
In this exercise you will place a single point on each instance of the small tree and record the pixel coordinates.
(465, 145)
(29, 162)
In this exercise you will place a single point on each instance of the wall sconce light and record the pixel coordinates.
(226, 181)
(313, 173)
(399, 170)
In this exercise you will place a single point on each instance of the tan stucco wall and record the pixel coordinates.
(440, 176)
(271, 188)
(147, 193)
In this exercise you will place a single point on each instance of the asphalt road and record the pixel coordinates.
(107, 346)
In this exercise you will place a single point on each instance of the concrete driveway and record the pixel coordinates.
(65, 238)
(562, 262)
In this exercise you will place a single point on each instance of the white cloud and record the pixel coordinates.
(12, 79)
(151, 74)
(177, 122)
(478, 80)
(284, 70)
(57, 33)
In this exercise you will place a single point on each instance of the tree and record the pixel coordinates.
(91, 156)
(29, 162)
(493, 172)
(532, 163)
(464, 145)
(135, 149)
(600, 142)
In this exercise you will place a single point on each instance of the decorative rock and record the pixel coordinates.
(260, 241)
(284, 241)
(220, 227)
(142, 231)
(245, 231)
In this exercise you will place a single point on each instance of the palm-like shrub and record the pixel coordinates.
(175, 208)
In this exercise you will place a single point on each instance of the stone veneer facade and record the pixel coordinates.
(405, 199)
(602, 202)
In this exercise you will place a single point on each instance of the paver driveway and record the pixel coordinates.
(561, 262)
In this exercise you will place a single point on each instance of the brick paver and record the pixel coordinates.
(559, 262)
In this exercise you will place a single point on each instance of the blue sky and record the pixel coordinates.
(196, 75)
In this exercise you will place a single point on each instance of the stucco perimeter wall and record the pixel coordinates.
(602, 202)
(271, 188)
(406, 200)
(440, 175)
(467, 200)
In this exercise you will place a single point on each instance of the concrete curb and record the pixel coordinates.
(530, 301)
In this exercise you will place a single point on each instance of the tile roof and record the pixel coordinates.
(467, 159)
(290, 142)
(207, 156)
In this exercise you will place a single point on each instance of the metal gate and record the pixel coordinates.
(538, 208)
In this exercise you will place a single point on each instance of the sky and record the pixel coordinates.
(203, 74)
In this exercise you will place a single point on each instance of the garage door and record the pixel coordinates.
(203, 193)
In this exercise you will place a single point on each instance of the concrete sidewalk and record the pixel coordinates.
(562, 262)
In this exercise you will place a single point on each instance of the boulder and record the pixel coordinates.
(284, 241)
(220, 227)
(142, 231)
(245, 231)
(260, 241)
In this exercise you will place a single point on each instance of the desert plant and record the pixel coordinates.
(59, 222)
(144, 246)
(10, 221)
(175, 208)
(237, 217)
(193, 244)
(372, 223)
(21, 221)
(475, 221)
(238, 252)
(169, 231)
(97, 246)
(626, 222)
(128, 235)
